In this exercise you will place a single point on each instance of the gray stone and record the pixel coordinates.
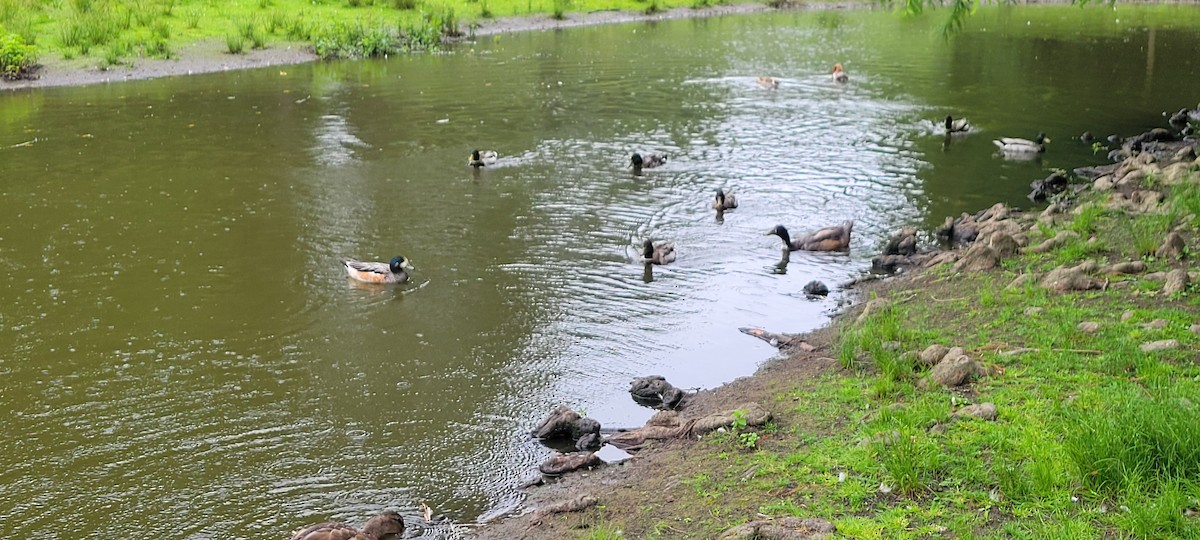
(1088, 327)
(1156, 324)
(1069, 279)
(1130, 267)
(1033, 310)
(1004, 245)
(1161, 345)
(1172, 247)
(1127, 315)
(1177, 281)
(982, 411)
(1050, 243)
(978, 258)
(933, 354)
(1195, 328)
(955, 372)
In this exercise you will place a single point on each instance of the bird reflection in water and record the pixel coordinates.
(781, 266)
(648, 273)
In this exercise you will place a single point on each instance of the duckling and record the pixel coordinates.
(649, 162)
(724, 201)
(957, 126)
(386, 525)
(658, 253)
(839, 75)
(378, 272)
(1021, 148)
(768, 83)
(835, 238)
(483, 159)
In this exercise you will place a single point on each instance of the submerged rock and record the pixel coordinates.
(1050, 186)
(816, 288)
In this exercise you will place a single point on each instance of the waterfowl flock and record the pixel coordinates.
(832, 238)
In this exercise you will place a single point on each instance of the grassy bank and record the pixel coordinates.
(115, 32)
(1094, 438)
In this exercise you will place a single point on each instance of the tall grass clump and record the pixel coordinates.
(355, 40)
(84, 31)
(445, 20)
(1135, 441)
(559, 9)
(419, 36)
(485, 11)
(115, 53)
(253, 32)
(404, 4)
(192, 17)
(910, 459)
(235, 43)
(298, 28)
(1185, 201)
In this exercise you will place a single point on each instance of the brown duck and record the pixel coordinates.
(835, 238)
(386, 525)
(658, 253)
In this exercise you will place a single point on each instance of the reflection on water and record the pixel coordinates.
(186, 354)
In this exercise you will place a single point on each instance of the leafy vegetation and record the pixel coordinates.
(17, 58)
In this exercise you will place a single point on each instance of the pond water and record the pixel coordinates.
(184, 354)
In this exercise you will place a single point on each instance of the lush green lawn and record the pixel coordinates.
(118, 31)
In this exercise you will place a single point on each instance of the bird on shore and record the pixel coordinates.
(724, 201)
(957, 126)
(386, 525)
(834, 238)
(1015, 148)
(658, 252)
(395, 271)
(768, 83)
(483, 159)
(839, 75)
(650, 161)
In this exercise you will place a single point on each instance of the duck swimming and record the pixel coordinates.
(649, 162)
(839, 75)
(724, 201)
(1016, 148)
(395, 271)
(385, 525)
(658, 253)
(957, 126)
(483, 159)
(835, 238)
(768, 83)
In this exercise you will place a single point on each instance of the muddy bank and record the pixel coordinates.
(211, 56)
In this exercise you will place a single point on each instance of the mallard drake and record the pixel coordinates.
(769, 83)
(724, 201)
(385, 525)
(1013, 147)
(649, 162)
(835, 238)
(395, 271)
(839, 75)
(483, 159)
(658, 252)
(957, 126)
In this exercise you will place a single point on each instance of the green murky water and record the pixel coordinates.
(183, 353)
